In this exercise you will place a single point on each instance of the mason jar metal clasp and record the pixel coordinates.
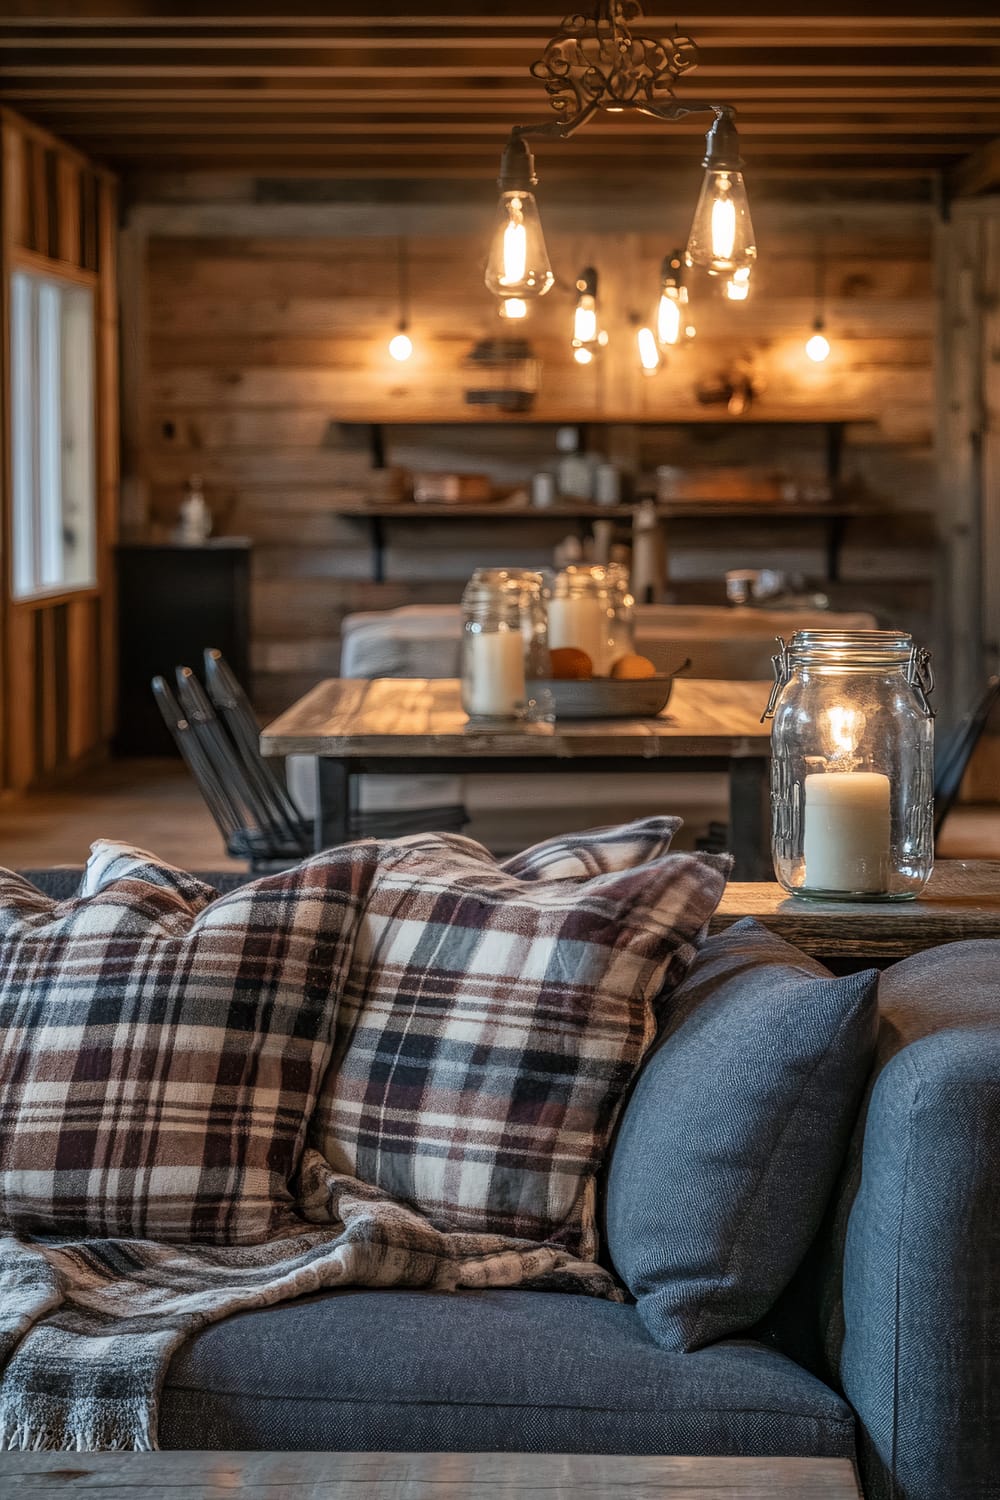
(782, 664)
(920, 676)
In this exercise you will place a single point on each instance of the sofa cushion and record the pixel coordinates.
(730, 1145)
(578, 856)
(490, 1027)
(161, 1050)
(479, 1371)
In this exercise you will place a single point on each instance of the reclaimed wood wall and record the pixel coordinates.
(58, 217)
(256, 339)
(968, 362)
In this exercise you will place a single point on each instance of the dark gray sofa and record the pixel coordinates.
(886, 1346)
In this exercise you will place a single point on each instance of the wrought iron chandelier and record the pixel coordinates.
(599, 63)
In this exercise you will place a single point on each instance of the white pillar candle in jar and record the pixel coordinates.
(495, 671)
(846, 834)
(581, 621)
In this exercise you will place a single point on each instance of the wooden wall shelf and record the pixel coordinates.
(831, 514)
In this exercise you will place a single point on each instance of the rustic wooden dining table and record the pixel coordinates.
(394, 726)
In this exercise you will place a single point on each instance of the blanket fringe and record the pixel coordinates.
(21, 1437)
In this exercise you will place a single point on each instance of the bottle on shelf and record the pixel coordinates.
(574, 472)
(194, 520)
(649, 565)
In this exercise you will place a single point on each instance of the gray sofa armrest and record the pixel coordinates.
(912, 1289)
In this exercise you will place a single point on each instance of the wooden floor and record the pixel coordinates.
(155, 805)
(152, 804)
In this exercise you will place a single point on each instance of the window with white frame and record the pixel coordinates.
(53, 518)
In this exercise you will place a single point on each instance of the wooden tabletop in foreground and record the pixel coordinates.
(961, 900)
(346, 716)
(422, 1476)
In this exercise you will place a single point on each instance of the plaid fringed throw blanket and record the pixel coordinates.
(88, 1327)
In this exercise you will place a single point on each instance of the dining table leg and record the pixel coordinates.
(750, 817)
(332, 819)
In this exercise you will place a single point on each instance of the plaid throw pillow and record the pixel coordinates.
(490, 1027)
(160, 1050)
(578, 856)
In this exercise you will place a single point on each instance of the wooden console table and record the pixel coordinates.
(962, 900)
(421, 1476)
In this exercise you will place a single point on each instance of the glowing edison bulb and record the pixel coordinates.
(585, 320)
(401, 346)
(513, 307)
(518, 264)
(649, 355)
(818, 347)
(738, 285)
(722, 238)
(583, 356)
(723, 227)
(668, 319)
(515, 245)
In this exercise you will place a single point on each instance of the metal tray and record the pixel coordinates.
(606, 697)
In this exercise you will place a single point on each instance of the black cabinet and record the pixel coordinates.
(173, 601)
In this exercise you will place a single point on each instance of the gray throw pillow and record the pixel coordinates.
(731, 1142)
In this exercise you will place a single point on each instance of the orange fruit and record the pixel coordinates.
(633, 668)
(568, 662)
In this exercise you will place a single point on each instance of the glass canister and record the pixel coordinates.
(493, 646)
(533, 589)
(852, 765)
(578, 613)
(620, 615)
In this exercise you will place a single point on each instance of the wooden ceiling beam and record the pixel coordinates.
(978, 173)
(442, 136)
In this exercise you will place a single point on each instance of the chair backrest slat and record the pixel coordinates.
(956, 753)
(234, 708)
(225, 812)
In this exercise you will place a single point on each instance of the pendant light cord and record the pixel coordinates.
(820, 283)
(403, 269)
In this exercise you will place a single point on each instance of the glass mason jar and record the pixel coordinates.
(620, 614)
(578, 613)
(852, 765)
(493, 646)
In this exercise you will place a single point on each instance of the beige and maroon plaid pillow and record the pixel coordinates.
(161, 1050)
(580, 856)
(490, 1027)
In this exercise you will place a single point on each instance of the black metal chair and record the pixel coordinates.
(218, 736)
(235, 709)
(957, 750)
(247, 829)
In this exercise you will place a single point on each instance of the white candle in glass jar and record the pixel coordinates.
(847, 831)
(580, 621)
(495, 673)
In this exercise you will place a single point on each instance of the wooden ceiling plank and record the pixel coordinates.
(978, 173)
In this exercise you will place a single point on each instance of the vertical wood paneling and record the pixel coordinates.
(56, 677)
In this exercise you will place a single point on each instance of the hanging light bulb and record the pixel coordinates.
(670, 323)
(513, 307)
(738, 285)
(649, 354)
(401, 345)
(818, 346)
(722, 238)
(518, 264)
(586, 333)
